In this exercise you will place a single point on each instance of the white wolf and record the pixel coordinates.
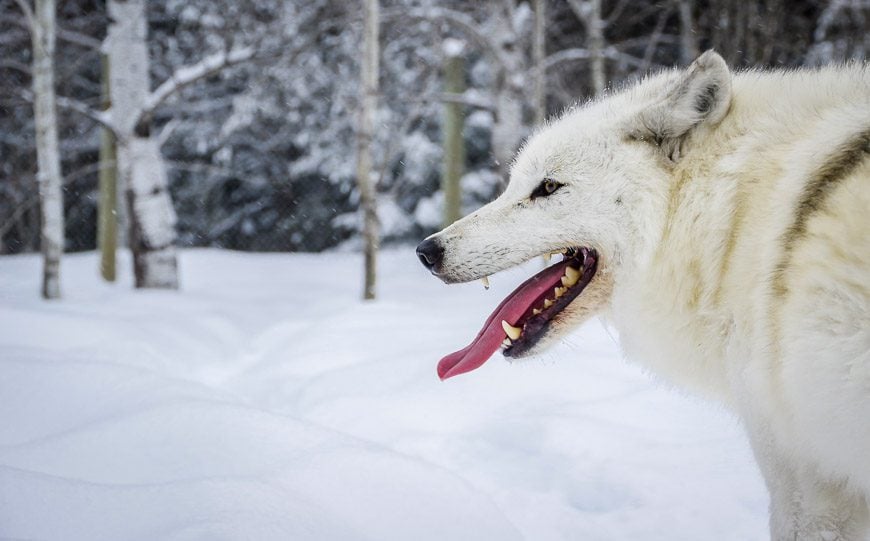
(721, 222)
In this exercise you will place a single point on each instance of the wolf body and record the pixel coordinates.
(731, 216)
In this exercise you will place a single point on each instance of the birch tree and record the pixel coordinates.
(539, 38)
(41, 21)
(141, 171)
(589, 13)
(364, 135)
(688, 42)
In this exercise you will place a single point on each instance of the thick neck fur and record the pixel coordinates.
(692, 274)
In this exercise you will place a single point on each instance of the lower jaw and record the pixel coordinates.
(525, 348)
(536, 329)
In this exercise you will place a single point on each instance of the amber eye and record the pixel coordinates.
(545, 188)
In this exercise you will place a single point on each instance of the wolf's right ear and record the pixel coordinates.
(701, 95)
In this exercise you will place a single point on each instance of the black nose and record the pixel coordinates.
(430, 253)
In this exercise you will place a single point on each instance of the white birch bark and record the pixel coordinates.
(589, 13)
(596, 46)
(539, 38)
(688, 42)
(42, 22)
(142, 174)
(365, 133)
(507, 131)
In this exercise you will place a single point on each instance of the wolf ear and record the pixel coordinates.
(701, 95)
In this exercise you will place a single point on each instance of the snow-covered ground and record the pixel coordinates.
(264, 401)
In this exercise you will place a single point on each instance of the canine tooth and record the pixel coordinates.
(536, 311)
(512, 332)
(560, 291)
(485, 281)
(507, 343)
(547, 303)
(571, 277)
(547, 258)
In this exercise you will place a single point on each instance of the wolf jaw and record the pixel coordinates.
(523, 318)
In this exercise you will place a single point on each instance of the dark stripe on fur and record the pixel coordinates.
(840, 165)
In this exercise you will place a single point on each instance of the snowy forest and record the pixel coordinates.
(199, 200)
(246, 116)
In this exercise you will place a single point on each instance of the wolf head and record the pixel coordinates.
(594, 181)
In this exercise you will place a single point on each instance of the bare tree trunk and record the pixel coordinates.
(538, 52)
(589, 12)
(365, 133)
(596, 46)
(507, 131)
(454, 145)
(42, 31)
(688, 42)
(107, 223)
(141, 169)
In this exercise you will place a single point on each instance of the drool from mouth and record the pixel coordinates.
(521, 320)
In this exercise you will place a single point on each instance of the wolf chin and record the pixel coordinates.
(729, 217)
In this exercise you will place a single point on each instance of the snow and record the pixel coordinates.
(453, 47)
(430, 210)
(394, 221)
(265, 401)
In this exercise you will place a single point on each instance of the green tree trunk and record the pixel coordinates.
(107, 224)
(454, 144)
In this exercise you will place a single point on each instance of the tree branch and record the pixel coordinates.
(187, 75)
(653, 42)
(12, 64)
(464, 22)
(28, 14)
(573, 55)
(70, 36)
(466, 98)
(101, 117)
(566, 55)
(72, 104)
(77, 38)
(20, 209)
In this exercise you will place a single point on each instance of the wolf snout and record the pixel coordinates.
(431, 253)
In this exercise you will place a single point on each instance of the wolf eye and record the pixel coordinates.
(545, 188)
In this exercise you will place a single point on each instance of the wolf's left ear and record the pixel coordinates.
(701, 95)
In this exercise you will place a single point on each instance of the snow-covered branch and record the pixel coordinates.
(71, 104)
(463, 22)
(467, 98)
(575, 54)
(566, 55)
(70, 36)
(101, 117)
(187, 75)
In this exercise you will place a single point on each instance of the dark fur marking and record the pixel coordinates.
(840, 165)
(705, 100)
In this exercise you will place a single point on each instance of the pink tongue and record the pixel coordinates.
(491, 335)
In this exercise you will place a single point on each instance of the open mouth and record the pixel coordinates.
(521, 320)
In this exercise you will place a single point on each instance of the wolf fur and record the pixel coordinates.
(731, 212)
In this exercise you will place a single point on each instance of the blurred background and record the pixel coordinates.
(259, 151)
